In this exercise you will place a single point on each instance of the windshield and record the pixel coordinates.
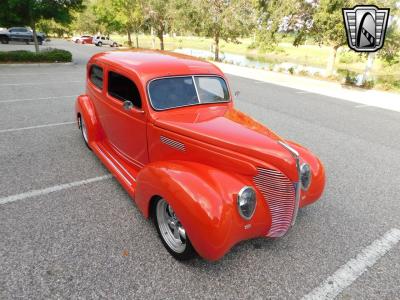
(174, 92)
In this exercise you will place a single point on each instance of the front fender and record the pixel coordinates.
(317, 186)
(204, 199)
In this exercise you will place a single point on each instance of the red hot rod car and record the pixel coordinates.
(208, 175)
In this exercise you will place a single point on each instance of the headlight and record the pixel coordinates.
(305, 176)
(246, 202)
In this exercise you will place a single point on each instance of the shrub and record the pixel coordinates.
(46, 55)
(271, 67)
(303, 73)
(350, 77)
(291, 70)
(368, 84)
(252, 46)
(388, 82)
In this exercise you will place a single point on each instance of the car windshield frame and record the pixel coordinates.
(193, 76)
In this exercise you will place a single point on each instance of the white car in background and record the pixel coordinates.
(75, 38)
(100, 40)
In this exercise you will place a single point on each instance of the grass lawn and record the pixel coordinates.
(308, 54)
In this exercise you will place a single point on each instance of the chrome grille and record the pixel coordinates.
(280, 195)
(172, 143)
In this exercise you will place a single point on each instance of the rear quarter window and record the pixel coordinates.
(96, 76)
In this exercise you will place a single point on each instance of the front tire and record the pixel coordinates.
(171, 231)
(99, 44)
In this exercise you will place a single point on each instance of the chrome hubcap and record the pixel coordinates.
(170, 228)
(84, 129)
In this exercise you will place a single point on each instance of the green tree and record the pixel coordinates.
(223, 19)
(159, 16)
(129, 14)
(120, 16)
(49, 26)
(290, 16)
(328, 28)
(30, 12)
(86, 20)
(391, 50)
(106, 16)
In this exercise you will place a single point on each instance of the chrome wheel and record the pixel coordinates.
(170, 228)
(84, 129)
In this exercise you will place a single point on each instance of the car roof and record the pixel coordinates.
(149, 64)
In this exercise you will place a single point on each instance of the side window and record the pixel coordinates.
(123, 89)
(96, 76)
(102, 37)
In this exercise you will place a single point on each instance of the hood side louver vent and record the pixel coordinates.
(172, 143)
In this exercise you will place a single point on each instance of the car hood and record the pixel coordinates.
(230, 129)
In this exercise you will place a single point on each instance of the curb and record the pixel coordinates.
(38, 64)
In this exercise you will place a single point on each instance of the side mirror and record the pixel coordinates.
(128, 105)
(237, 93)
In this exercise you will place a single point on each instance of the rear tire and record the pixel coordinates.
(99, 44)
(83, 128)
(171, 231)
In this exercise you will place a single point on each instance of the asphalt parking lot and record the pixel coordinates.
(90, 240)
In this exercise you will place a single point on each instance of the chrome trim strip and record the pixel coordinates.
(296, 156)
(197, 91)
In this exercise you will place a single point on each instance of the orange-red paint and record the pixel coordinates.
(223, 149)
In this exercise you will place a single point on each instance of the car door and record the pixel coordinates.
(125, 127)
(25, 34)
(13, 33)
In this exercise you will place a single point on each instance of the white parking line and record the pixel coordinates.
(34, 127)
(354, 268)
(40, 83)
(36, 99)
(51, 189)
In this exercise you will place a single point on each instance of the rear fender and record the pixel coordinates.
(204, 199)
(84, 106)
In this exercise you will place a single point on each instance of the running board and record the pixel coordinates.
(126, 177)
